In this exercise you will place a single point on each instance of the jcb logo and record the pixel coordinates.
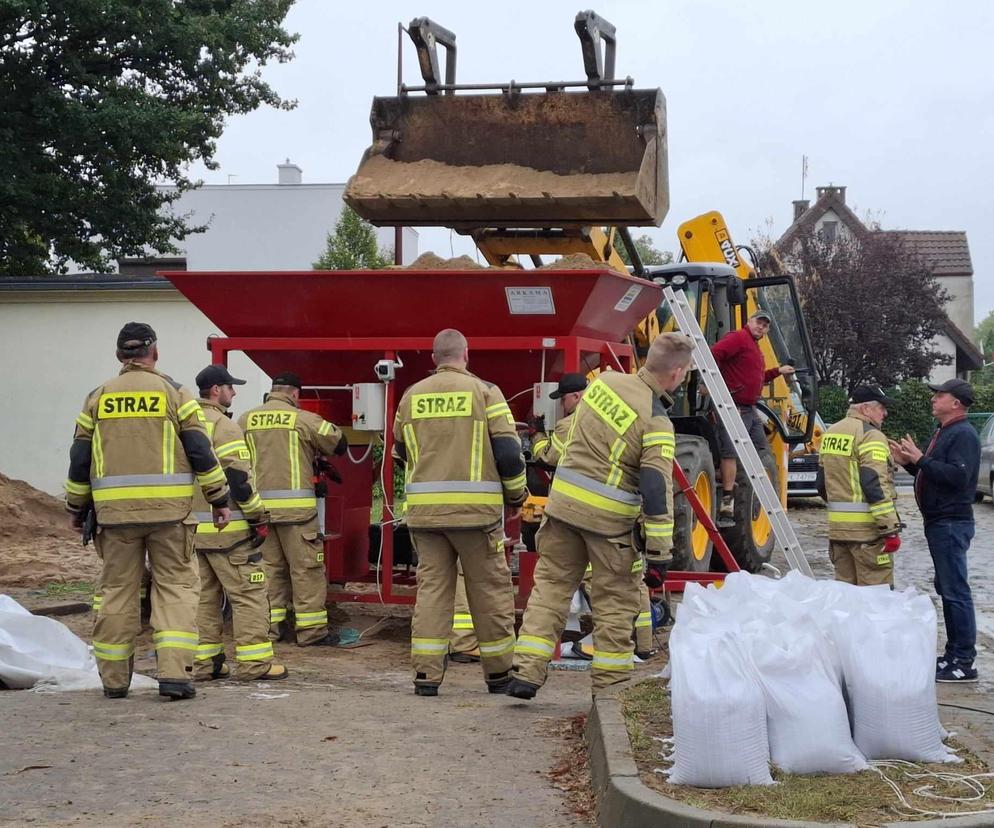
(727, 248)
(257, 577)
(442, 404)
(131, 404)
(259, 420)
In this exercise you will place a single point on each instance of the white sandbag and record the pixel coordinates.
(719, 715)
(806, 717)
(40, 652)
(889, 660)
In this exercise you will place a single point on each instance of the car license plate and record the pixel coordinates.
(802, 477)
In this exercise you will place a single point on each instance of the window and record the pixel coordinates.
(830, 230)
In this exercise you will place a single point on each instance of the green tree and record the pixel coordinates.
(648, 252)
(352, 246)
(872, 309)
(983, 335)
(102, 99)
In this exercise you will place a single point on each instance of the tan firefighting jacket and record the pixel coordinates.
(548, 448)
(284, 440)
(618, 461)
(456, 435)
(232, 450)
(140, 444)
(855, 480)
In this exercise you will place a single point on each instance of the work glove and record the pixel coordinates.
(333, 474)
(260, 531)
(892, 543)
(655, 573)
(537, 424)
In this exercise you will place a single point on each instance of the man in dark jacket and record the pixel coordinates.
(945, 487)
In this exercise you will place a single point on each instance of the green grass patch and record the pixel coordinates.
(69, 589)
(862, 799)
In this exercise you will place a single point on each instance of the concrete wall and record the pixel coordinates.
(57, 348)
(268, 226)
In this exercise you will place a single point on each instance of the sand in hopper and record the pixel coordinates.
(36, 544)
(383, 177)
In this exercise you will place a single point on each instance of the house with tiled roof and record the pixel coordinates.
(946, 252)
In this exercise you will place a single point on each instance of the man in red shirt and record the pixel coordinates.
(741, 364)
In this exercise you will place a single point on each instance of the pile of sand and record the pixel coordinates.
(576, 261)
(36, 544)
(430, 261)
(381, 177)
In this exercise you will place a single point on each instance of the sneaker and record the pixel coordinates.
(521, 689)
(957, 673)
(645, 655)
(726, 512)
(941, 663)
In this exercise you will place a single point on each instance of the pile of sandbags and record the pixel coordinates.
(813, 676)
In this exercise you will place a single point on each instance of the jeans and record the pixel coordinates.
(948, 542)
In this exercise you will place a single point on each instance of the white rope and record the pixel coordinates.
(969, 781)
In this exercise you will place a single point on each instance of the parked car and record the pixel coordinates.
(985, 480)
(802, 472)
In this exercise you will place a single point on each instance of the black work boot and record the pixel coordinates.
(177, 690)
(499, 682)
(521, 689)
(116, 692)
(425, 689)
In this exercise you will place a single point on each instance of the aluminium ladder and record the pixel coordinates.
(744, 448)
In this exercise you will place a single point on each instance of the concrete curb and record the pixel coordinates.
(625, 802)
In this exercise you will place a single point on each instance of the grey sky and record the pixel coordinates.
(894, 100)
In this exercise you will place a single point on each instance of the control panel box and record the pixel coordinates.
(368, 402)
(544, 406)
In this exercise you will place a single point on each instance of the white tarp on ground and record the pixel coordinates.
(39, 652)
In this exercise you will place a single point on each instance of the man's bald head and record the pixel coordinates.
(450, 348)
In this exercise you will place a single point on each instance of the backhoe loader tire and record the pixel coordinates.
(750, 542)
(694, 456)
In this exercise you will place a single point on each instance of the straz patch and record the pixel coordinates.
(609, 407)
(260, 420)
(131, 404)
(442, 404)
(257, 577)
(837, 444)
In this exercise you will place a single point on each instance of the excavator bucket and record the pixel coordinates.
(544, 159)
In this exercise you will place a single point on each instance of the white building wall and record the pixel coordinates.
(268, 226)
(944, 345)
(58, 348)
(960, 305)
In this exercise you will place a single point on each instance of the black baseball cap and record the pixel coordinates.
(872, 393)
(959, 388)
(761, 314)
(568, 384)
(216, 375)
(135, 335)
(287, 378)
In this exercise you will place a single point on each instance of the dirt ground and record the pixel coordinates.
(344, 742)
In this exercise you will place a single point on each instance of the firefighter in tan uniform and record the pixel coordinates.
(140, 448)
(547, 449)
(229, 559)
(855, 480)
(457, 437)
(284, 441)
(617, 462)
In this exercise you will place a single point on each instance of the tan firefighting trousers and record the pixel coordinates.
(293, 560)
(643, 621)
(488, 590)
(238, 573)
(175, 591)
(462, 639)
(564, 553)
(863, 563)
